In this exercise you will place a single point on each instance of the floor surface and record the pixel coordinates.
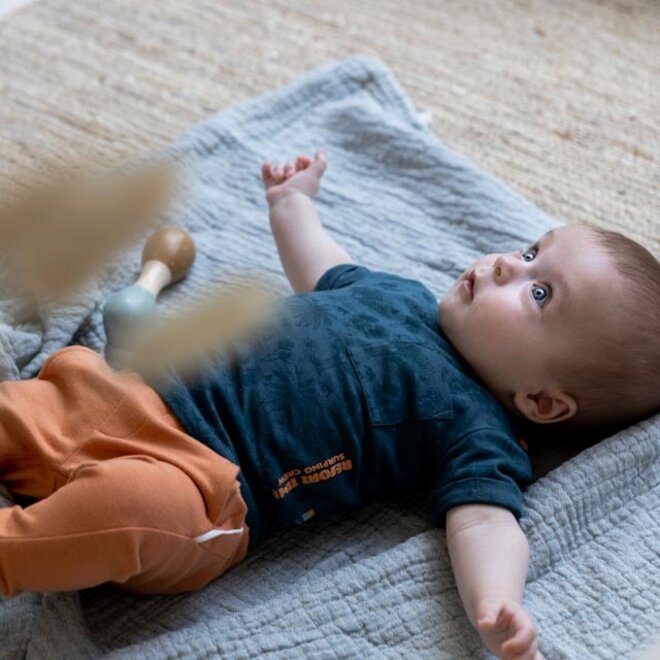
(558, 98)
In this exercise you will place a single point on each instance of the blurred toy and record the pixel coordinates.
(58, 234)
(166, 258)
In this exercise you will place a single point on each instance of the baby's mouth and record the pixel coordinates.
(467, 284)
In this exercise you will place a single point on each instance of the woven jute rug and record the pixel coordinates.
(558, 98)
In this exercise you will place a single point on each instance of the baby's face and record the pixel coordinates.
(509, 314)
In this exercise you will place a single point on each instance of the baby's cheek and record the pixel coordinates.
(492, 311)
(494, 323)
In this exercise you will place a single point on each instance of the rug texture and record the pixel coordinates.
(375, 583)
(559, 98)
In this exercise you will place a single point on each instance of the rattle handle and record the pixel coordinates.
(155, 276)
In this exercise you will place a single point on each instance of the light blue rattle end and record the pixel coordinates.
(125, 310)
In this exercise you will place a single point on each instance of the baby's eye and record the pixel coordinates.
(528, 254)
(541, 293)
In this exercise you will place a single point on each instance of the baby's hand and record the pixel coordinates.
(507, 630)
(300, 176)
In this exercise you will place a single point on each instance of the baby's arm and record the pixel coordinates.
(490, 554)
(306, 249)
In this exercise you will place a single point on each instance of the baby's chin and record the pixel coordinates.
(445, 313)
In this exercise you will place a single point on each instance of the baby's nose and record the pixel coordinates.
(505, 267)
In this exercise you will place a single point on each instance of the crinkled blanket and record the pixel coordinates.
(374, 583)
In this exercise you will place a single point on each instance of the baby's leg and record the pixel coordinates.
(131, 520)
(26, 413)
(43, 420)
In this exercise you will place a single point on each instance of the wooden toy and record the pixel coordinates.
(167, 257)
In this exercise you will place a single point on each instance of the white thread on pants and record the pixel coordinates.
(217, 532)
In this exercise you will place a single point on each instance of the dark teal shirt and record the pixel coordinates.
(353, 394)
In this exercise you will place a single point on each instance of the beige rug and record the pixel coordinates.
(558, 98)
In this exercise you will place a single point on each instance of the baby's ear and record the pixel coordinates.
(545, 407)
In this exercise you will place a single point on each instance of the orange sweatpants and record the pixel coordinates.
(124, 494)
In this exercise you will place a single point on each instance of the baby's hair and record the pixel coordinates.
(616, 377)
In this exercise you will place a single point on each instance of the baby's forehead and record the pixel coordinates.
(573, 242)
(582, 264)
(568, 234)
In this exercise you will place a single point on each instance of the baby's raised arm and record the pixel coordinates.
(306, 249)
(489, 554)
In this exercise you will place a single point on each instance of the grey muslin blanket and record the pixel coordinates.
(375, 583)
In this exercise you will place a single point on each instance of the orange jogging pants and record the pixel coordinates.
(125, 495)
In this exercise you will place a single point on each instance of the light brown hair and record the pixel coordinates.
(615, 377)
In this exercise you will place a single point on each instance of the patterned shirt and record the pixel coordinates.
(352, 395)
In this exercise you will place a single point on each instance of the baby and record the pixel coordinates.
(363, 387)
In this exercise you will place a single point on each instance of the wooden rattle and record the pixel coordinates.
(167, 257)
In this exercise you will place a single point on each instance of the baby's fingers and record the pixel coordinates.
(524, 644)
(271, 174)
(266, 171)
(522, 651)
(522, 640)
(504, 621)
(302, 162)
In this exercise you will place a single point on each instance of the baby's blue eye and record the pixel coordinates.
(540, 293)
(529, 254)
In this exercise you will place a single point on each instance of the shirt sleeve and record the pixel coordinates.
(484, 466)
(342, 275)
(392, 293)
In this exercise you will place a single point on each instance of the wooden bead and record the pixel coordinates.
(173, 247)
